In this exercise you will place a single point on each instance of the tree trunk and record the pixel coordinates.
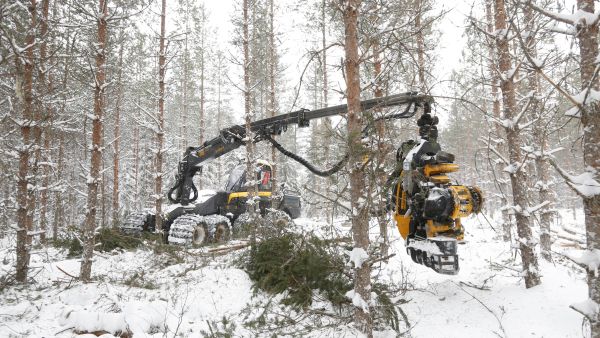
(184, 82)
(47, 86)
(499, 175)
(271, 101)
(161, 120)
(250, 175)
(96, 152)
(219, 111)
(590, 118)
(326, 122)
(202, 94)
(382, 147)
(518, 179)
(59, 209)
(117, 137)
(360, 216)
(545, 194)
(23, 192)
(420, 47)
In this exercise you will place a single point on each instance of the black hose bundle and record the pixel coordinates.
(304, 162)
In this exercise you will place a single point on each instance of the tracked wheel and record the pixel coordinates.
(219, 227)
(276, 223)
(241, 226)
(134, 223)
(412, 253)
(188, 229)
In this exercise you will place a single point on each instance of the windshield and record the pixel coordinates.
(236, 178)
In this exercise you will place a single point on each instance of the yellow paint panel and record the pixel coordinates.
(403, 224)
(244, 194)
(440, 179)
(433, 169)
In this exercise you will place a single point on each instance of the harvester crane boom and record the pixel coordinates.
(233, 137)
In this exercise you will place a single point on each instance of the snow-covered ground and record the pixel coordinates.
(191, 294)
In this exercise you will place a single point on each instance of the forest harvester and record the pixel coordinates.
(426, 206)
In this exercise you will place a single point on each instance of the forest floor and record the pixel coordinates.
(192, 294)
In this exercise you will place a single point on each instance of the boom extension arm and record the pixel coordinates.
(233, 137)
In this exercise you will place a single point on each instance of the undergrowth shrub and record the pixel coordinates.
(107, 239)
(299, 265)
(302, 265)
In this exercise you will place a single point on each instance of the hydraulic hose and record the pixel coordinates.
(304, 162)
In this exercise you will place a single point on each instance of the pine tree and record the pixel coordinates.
(25, 65)
(516, 164)
(161, 119)
(589, 112)
(248, 114)
(360, 212)
(94, 179)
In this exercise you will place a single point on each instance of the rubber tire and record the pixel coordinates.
(201, 234)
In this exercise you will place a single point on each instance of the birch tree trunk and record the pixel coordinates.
(161, 119)
(518, 179)
(360, 216)
(24, 218)
(96, 151)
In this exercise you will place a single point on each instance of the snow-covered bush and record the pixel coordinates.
(299, 265)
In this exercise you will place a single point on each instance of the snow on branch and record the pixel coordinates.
(357, 300)
(580, 17)
(588, 308)
(585, 97)
(532, 153)
(535, 208)
(585, 185)
(590, 259)
(496, 152)
(357, 256)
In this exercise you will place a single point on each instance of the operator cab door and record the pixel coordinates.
(237, 178)
(263, 176)
(238, 190)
